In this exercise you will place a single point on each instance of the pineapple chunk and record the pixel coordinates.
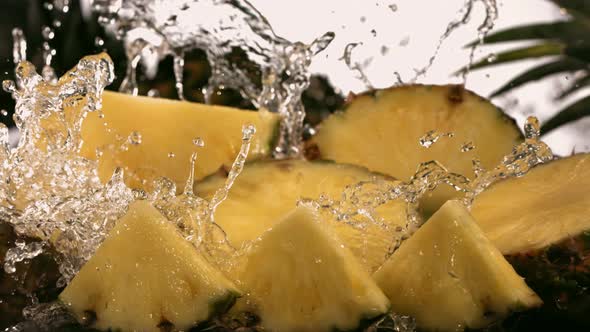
(168, 127)
(145, 277)
(450, 277)
(299, 277)
(266, 191)
(381, 131)
(549, 204)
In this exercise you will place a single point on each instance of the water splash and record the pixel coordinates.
(431, 137)
(355, 66)
(153, 29)
(19, 46)
(359, 203)
(51, 194)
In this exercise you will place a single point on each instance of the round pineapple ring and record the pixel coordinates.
(267, 190)
(381, 130)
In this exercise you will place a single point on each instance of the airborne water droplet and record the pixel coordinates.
(199, 142)
(467, 146)
(135, 138)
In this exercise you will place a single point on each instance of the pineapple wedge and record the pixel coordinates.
(549, 204)
(381, 130)
(146, 277)
(267, 190)
(300, 278)
(167, 129)
(449, 276)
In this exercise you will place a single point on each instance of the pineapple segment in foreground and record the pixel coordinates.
(267, 190)
(549, 204)
(449, 276)
(145, 277)
(299, 277)
(168, 128)
(381, 130)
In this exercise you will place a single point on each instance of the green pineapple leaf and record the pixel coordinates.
(566, 31)
(573, 112)
(567, 41)
(530, 52)
(540, 72)
(577, 85)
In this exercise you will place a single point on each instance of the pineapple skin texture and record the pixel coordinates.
(450, 277)
(298, 277)
(144, 275)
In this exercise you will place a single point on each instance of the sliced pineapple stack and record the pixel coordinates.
(449, 276)
(381, 130)
(299, 277)
(147, 277)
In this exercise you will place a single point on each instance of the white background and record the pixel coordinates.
(419, 24)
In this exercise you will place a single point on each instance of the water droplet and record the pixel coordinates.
(431, 137)
(405, 41)
(491, 57)
(47, 33)
(393, 7)
(199, 142)
(374, 32)
(154, 93)
(98, 42)
(171, 155)
(4, 112)
(135, 138)
(467, 146)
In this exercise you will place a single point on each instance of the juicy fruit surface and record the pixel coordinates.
(265, 191)
(381, 131)
(548, 204)
(145, 276)
(299, 277)
(449, 276)
(168, 127)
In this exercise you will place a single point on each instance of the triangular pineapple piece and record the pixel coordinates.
(299, 277)
(449, 276)
(145, 276)
(265, 191)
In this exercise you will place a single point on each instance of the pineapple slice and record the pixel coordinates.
(299, 277)
(450, 277)
(146, 277)
(381, 131)
(265, 191)
(168, 128)
(549, 204)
